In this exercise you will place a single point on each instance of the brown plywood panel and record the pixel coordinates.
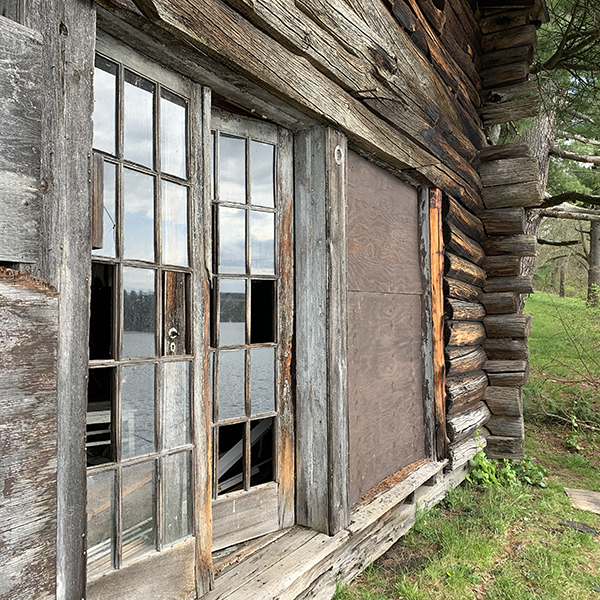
(383, 231)
(385, 384)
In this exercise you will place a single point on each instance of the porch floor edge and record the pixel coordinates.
(301, 564)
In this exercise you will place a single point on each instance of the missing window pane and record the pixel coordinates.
(262, 312)
(261, 454)
(99, 416)
(231, 454)
(102, 311)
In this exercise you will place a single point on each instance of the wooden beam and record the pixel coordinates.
(526, 194)
(463, 270)
(503, 221)
(501, 266)
(521, 284)
(507, 325)
(509, 171)
(436, 245)
(517, 245)
(500, 302)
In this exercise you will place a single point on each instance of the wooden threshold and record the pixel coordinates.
(299, 563)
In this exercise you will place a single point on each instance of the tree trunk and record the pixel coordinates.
(561, 290)
(593, 295)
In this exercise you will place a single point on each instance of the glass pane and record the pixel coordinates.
(231, 384)
(100, 522)
(101, 311)
(138, 226)
(98, 441)
(105, 105)
(139, 321)
(232, 169)
(109, 217)
(232, 240)
(137, 410)
(262, 238)
(177, 502)
(232, 312)
(231, 464)
(173, 134)
(261, 452)
(174, 224)
(138, 510)
(262, 165)
(262, 311)
(138, 124)
(211, 367)
(262, 380)
(176, 404)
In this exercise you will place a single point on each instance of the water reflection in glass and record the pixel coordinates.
(232, 169)
(100, 521)
(262, 164)
(174, 224)
(138, 124)
(262, 242)
(137, 413)
(232, 240)
(137, 501)
(138, 226)
(232, 312)
(177, 514)
(105, 105)
(262, 380)
(173, 134)
(139, 322)
(231, 384)
(176, 404)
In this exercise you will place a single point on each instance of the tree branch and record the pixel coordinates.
(586, 158)
(554, 214)
(570, 197)
(579, 138)
(543, 242)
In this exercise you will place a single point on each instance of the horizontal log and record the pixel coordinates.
(459, 453)
(459, 310)
(504, 401)
(507, 325)
(517, 245)
(503, 221)
(471, 359)
(404, 15)
(454, 288)
(520, 54)
(500, 303)
(505, 349)
(502, 95)
(501, 266)
(504, 152)
(519, 378)
(505, 447)
(505, 74)
(509, 171)
(519, 36)
(503, 20)
(506, 366)
(506, 109)
(463, 333)
(463, 219)
(464, 389)
(519, 194)
(521, 284)
(461, 244)
(506, 426)
(463, 270)
(461, 426)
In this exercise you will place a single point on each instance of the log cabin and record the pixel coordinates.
(259, 282)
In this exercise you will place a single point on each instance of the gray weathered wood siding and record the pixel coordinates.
(28, 437)
(21, 133)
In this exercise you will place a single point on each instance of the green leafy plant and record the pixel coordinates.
(506, 472)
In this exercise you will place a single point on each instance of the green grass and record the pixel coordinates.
(501, 543)
(565, 362)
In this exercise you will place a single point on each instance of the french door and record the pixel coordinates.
(251, 328)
